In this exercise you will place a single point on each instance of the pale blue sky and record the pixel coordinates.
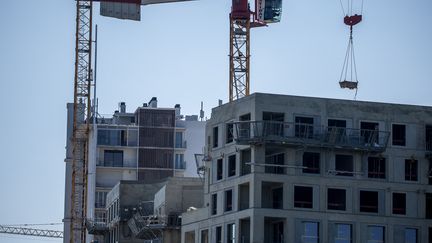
(179, 53)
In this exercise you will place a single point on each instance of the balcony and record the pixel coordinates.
(298, 134)
(180, 165)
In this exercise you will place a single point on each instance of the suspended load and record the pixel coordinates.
(348, 78)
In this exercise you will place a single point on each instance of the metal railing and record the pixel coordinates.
(284, 133)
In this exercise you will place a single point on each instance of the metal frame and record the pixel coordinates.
(31, 232)
(81, 119)
(239, 58)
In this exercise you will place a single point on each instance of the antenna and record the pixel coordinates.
(201, 112)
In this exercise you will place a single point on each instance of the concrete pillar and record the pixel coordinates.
(257, 229)
(258, 156)
(255, 193)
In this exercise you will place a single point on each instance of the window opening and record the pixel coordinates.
(231, 165)
(275, 159)
(304, 127)
(398, 135)
(228, 201)
(303, 197)
(214, 204)
(312, 163)
(344, 165)
(215, 137)
(343, 233)
(229, 132)
(219, 169)
(399, 203)
(336, 199)
(376, 167)
(369, 201)
(369, 132)
(310, 232)
(376, 234)
(411, 171)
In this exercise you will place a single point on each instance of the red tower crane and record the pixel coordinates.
(241, 20)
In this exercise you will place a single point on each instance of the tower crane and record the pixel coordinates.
(242, 19)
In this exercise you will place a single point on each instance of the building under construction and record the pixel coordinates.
(148, 146)
(285, 168)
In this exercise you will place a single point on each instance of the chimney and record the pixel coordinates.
(153, 102)
(220, 102)
(122, 107)
(145, 105)
(177, 110)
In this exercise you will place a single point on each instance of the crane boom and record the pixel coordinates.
(30, 232)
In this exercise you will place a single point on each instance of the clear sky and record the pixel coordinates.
(179, 53)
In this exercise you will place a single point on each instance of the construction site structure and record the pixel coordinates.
(283, 168)
(240, 19)
(19, 230)
(146, 146)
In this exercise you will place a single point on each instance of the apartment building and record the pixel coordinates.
(148, 145)
(285, 169)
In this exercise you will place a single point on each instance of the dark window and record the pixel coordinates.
(376, 234)
(273, 116)
(245, 157)
(312, 163)
(278, 232)
(277, 194)
(219, 169)
(229, 132)
(231, 232)
(231, 165)
(179, 140)
(430, 171)
(429, 138)
(376, 167)
(430, 234)
(336, 199)
(228, 200)
(411, 173)
(344, 165)
(304, 127)
(274, 160)
(274, 124)
(215, 137)
(428, 205)
(336, 123)
(204, 236)
(113, 158)
(399, 203)
(369, 201)
(303, 197)
(336, 131)
(244, 128)
(219, 234)
(410, 235)
(398, 135)
(214, 204)
(369, 132)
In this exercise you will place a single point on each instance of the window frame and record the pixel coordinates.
(344, 207)
(395, 211)
(368, 206)
(411, 174)
(301, 204)
(399, 141)
(312, 170)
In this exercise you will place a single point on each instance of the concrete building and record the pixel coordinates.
(300, 169)
(147, 145)
(150, 212)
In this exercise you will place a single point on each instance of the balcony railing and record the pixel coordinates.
(180, 165)
(298, 134)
